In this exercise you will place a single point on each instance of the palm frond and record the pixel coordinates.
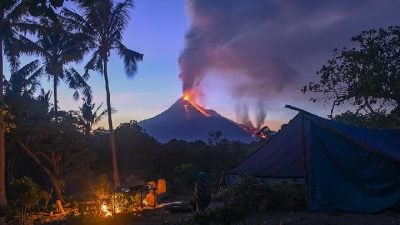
(77, 82)
(100, 116)
(130, 59)
(95, 63)
(120, 15)
(75, 22)
(16, 11)
(25, 80)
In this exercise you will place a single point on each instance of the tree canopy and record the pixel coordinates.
(366, 76)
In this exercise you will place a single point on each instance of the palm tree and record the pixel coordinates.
(11, 15)
(104, 22)
(24, 82)
(90, 114)
(19, 89)
(58, 48)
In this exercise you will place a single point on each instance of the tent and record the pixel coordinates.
(345, 167)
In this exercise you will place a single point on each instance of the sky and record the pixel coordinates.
(247, 58)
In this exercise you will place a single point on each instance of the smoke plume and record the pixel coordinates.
(268, 46)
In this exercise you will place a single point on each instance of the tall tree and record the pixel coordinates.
(11, 15)
(21, 86)
(104, 22)
(366, 76)
(59, 47)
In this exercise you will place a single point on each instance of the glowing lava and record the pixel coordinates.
(189, 97)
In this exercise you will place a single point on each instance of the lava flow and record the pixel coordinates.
(188, 97)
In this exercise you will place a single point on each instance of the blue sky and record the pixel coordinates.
(291, 38)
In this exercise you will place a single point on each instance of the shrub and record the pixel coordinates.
(286, 196)
(25, 196)
(247, 196)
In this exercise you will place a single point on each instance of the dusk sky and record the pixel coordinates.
(241, 54)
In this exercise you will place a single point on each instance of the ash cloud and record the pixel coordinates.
(242, 114)
(272, 46)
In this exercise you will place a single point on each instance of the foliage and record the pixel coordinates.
(366, 76)
(60, 157)
(248, 195)
(370, 120)
(103, 23)
(25, 195)
(58, 46)
(126, 202)
(252, 195)
(286, 196)
(90, 115)
(8, 123)
(44, 8)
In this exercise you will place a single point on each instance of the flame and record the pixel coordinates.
(191, 98)
(105, 211)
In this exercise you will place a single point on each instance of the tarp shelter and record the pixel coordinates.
(345, 167)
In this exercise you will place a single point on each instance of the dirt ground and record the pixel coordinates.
(273, 218)
(287, 218)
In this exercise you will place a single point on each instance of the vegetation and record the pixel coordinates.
(54, 155)
(26, 197)
(366, 77)
(104, 22)
(79, 165)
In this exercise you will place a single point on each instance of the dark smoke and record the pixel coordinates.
(242, 114)
(261, 115)
(272, 46)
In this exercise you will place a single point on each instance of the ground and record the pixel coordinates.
(272, 218)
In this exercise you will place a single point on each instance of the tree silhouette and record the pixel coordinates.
(366, 76)
(104, 22)
(90, 115)
(12, 13)
(58, 48)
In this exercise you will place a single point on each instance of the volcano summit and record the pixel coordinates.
(186, 120)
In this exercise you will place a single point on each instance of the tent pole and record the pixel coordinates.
(303, 139)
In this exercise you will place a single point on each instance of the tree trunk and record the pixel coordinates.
(3, 198)
(117, 182)
(57, 190)
(55, 98)
(53, 179)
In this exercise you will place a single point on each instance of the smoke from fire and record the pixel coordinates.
(270, 48)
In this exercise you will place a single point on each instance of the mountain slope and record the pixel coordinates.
(187, 121)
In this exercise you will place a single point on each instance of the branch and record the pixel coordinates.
(36, 159)
(44, 156)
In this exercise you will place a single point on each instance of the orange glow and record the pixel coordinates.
(105, 211)
(191, 97)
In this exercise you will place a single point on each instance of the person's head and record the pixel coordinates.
(202, 176)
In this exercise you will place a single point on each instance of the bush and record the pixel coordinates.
(286, 196)
(25, 196)
(246, 196)
(252, 195)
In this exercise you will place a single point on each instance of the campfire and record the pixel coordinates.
(131, 199)
(105, 211)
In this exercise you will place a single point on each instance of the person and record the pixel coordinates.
(222, 185)
(201, 197)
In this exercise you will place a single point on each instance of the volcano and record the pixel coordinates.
(186, 120)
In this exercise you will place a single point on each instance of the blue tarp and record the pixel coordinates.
(346, 168)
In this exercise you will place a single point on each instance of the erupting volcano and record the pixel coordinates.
(187, 120)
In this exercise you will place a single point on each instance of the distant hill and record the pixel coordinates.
(185, 120)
